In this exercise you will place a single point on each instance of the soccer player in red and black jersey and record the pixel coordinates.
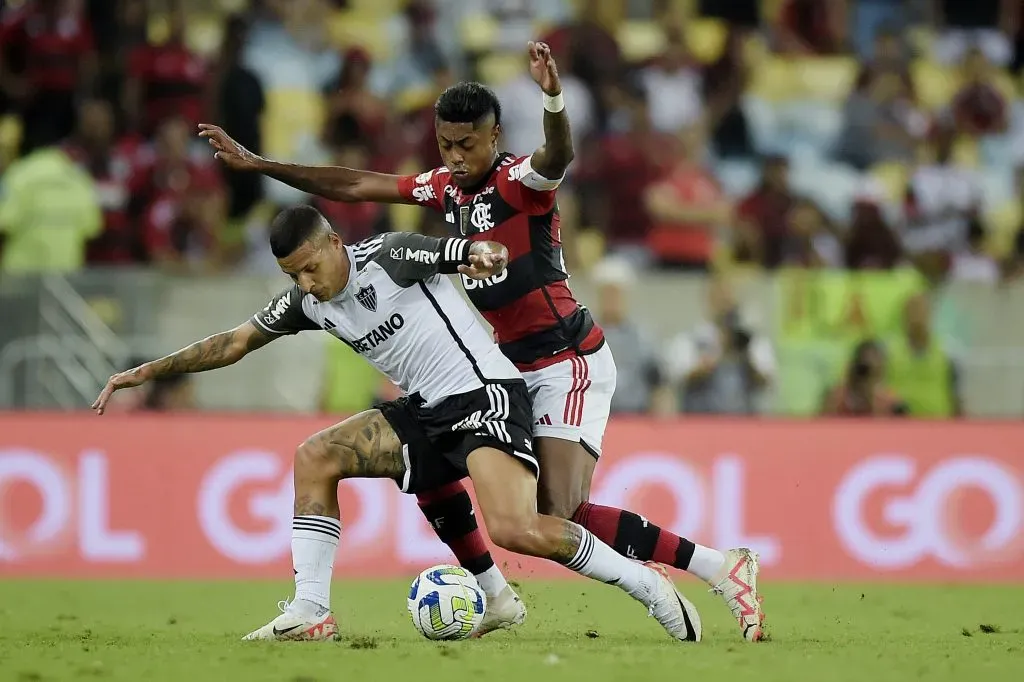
(552, 339)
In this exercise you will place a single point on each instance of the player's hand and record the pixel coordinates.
(235, 156)
(485, 261)
(129, 379)
(543, 68)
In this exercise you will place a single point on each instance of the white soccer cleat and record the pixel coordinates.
(736, 583)
(674, 611)
(298, 624)
(503, 612)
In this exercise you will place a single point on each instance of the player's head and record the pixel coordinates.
(467, 120)
(309, 251)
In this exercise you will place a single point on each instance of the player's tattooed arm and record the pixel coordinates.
(331, 182)
(219, 350)
(569, 544)
(553, 158)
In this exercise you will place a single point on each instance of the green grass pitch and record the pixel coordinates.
(189, 631)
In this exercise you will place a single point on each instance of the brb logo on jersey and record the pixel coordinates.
(423, 194)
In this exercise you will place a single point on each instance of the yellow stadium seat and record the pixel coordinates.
(706, 38)
(360, 29)
(934, 83)
(825, 78)
(205, 33)
(966, 153)
(590, 247)
(412, 99)
(10, 133)
(640, 40)
(289, 114)
(893, 177)
(921, 39)
(1004, 83)
(1003, 223)
(478, 32)
(773, 79)
(500, 67)
(379, 8)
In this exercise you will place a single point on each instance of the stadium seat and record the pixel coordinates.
(831, 185)
(893, 177)
(288, 114)
(812, 122)
(640, 40)
(705, 39)
(360, 29)
(478, 33)
(1002, 225)
(10, 138)
(828, 79)
(498, 68)
(773, 80)
(935, 84)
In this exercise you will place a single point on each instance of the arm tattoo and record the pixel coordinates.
(554, 157)
(569, 544)
(365, 446)
(213, 352)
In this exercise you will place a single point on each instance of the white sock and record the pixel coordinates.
(596, 560)
(706, 563)
(492, 581)
(314, 544)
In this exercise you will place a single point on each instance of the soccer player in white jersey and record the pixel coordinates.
(552, 339)
(466, 410)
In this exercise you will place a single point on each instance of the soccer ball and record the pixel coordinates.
(446, 602)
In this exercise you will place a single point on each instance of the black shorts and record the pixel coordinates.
(437, 440)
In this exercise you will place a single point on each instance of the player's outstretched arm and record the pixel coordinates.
(551, 159)
(219, 350)
(331, 182)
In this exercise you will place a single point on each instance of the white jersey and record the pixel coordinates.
(403, 315)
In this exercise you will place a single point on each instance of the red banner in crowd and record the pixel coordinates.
(210, 496)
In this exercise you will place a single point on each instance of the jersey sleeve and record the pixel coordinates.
(425, 189)
(527, 190)
(408, 257)
(284, 315)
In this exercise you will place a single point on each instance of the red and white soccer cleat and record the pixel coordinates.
(736, 583)
(299, 622)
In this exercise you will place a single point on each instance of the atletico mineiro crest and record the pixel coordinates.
(367, 297)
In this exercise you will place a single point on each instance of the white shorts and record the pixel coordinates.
(572, 399)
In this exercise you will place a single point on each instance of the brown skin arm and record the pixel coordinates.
(336, 183)
(213, 352)
(555, 155)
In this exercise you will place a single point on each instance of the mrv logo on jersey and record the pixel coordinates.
(382, 333)
(418, 255)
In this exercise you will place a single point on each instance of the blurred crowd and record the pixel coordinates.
(710, 136)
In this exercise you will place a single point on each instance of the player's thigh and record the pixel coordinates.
(362, 446)
(567, 468)
(506, 493)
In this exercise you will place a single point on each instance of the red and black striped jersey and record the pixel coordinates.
(536, 319)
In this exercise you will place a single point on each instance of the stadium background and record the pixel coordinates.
(842, 170)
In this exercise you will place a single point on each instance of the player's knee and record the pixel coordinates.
(515, 534)
(314, 461)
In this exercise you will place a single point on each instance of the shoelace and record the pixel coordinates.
(283, 605)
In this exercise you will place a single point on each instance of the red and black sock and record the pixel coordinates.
(450, 513)
(633, 536)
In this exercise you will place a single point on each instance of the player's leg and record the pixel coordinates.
(572, 402)
(363, 446)
(449, 511)
(507, 496)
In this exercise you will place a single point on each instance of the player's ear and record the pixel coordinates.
(495, 134)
